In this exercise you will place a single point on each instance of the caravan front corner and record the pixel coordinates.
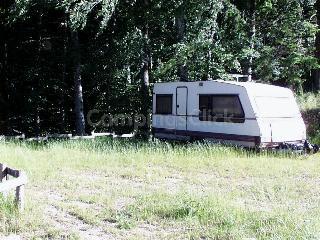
(243, 114)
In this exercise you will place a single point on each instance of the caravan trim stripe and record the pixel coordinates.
(202, 135)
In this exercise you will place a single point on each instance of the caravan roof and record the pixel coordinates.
(257, 89)
(268, 100)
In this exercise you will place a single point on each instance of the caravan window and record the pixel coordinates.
(164, 104)
(221, 108)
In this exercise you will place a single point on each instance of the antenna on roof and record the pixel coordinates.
(240, 77)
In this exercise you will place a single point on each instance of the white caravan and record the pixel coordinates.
(240, 113)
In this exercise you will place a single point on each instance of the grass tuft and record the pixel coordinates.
(309, 101)
(9, 217)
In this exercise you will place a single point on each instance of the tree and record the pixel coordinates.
(181, 26)
(145, 66)
(316, 74)
(249, 11)
(4, 81)
(78, 12)
(60, 58)
(78, 95)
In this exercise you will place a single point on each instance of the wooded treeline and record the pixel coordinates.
(59, 59)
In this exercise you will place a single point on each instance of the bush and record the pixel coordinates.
(309, 101)
(310, 107)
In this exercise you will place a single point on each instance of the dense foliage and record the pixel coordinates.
(60, 59)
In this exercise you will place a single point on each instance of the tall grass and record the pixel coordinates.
(9, 218)
(205, 217)
(310, 106)
(125, 146)
(309, 101)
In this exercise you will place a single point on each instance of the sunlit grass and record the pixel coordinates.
(8, 215)
(309, 101)
(200, 190)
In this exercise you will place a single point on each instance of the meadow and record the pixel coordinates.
(125, 189)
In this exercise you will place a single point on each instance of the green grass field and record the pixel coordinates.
(133, 190)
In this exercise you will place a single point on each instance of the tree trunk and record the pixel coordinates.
(316, 72)
(62, 126)
(252, 41)
(145, 94)
(78, 97)
(37, 119)
(181, 25)
(4, 78)
(4, 97)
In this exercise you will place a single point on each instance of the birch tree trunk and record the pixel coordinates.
(145, 79)
(252, 41)
(78, 95)
(181, 26)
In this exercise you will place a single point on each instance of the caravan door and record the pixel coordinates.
(181, 108)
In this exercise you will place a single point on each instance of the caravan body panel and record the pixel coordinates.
(245, 114)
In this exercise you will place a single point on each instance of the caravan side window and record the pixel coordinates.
(164, 104)
(221, 108)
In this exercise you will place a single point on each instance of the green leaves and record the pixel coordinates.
(275, 38)
(285, 42)
(79, 11)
